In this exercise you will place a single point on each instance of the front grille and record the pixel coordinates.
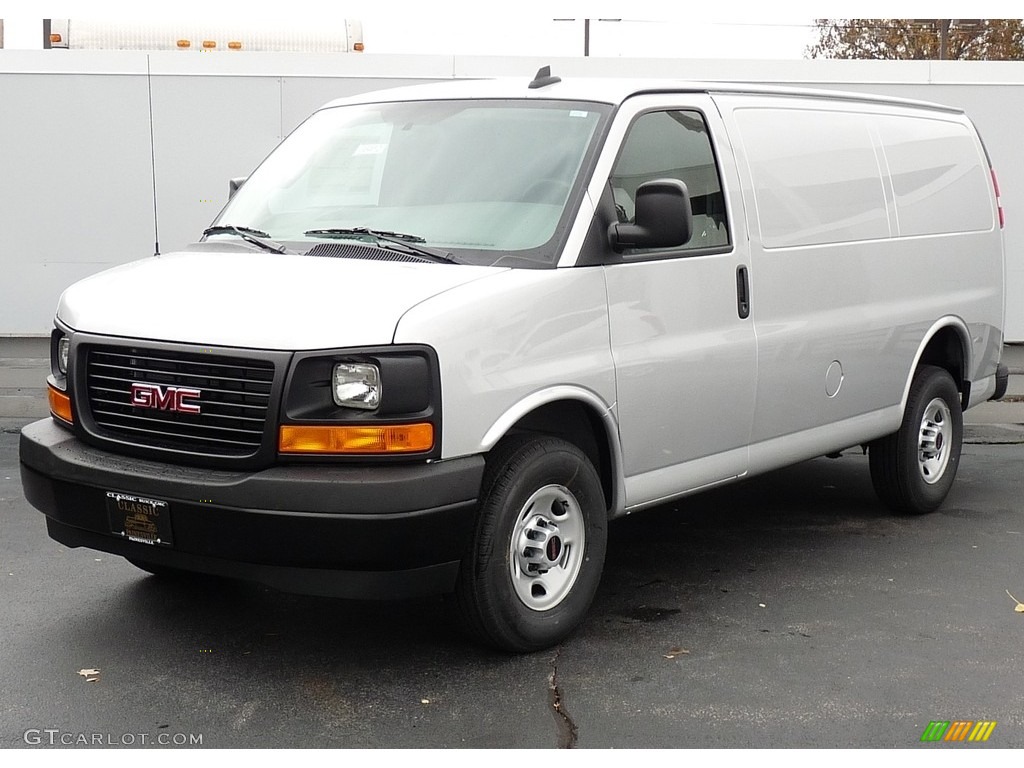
(233, 404)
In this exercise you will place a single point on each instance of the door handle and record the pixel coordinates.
(742, 293)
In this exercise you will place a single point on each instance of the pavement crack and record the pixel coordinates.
(567, 731)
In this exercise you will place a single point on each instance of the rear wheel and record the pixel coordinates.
(535, 561)
(914, 468)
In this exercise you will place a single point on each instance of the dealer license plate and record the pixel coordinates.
(146, 521)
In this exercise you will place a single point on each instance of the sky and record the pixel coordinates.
(638, 28)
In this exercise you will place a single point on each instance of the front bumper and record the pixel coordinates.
(364, 532)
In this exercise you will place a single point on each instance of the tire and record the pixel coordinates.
(517, 597)
(913, 469)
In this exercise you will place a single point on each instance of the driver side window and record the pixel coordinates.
(673, 144)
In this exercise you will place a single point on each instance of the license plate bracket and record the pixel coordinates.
(140, 519)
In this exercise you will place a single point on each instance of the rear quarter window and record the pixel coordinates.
(939, 177)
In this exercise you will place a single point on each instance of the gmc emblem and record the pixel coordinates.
(165, 398)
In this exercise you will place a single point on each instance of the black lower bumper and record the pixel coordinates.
(348, 531)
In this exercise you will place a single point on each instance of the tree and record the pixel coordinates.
(977, 39)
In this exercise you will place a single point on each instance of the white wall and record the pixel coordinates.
(76, 162)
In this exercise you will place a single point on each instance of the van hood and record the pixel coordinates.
(257, 300)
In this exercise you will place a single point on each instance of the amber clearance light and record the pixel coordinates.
(60, 404)
(392, 438)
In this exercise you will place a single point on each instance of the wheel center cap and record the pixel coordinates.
(553, 549)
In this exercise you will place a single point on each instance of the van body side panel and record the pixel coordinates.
(944, 197)
(790, 449)
(685, 361)
(842, 300)
(815, 187)
(508, 338)
(685, 365)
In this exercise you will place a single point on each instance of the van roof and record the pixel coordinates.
(607, 91)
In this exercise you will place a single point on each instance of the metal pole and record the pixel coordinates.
(586, 37)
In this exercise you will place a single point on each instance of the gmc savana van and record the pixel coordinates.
(443, 335)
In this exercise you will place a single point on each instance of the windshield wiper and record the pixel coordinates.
(407, 242)
(254, 236)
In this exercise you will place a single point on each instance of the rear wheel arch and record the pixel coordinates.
(947, 346)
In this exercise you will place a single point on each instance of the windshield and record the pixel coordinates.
(485, 181)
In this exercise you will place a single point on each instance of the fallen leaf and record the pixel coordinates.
(1020, 606)
(676, 651)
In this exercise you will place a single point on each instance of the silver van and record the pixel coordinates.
(442, 335)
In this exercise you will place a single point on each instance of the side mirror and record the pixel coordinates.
(234, 185)
(664, 218)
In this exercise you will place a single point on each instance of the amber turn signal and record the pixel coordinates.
(388, 439)
(60, 404)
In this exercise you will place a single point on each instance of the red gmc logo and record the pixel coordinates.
(165, 398)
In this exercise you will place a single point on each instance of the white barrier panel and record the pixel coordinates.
(77, 165)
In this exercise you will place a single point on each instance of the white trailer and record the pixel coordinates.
(342, 36)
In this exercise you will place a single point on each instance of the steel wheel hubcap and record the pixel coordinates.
(934, 441)
(546, 550)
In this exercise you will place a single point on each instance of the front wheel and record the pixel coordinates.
(534, 564)
(913, 469)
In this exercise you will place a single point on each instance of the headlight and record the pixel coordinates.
(335, 405)
(63, 347)
(356, 385)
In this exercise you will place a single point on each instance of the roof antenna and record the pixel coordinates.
(544, 78)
